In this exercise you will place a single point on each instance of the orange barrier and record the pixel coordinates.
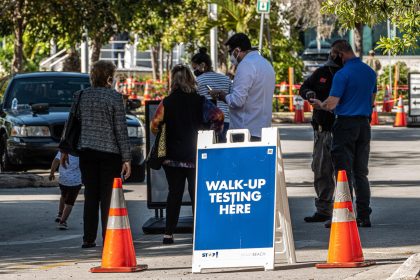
(388, 101)
(345, 249)
(118, 254)
(400, 117)
(374, 118)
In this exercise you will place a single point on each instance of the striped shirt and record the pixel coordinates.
(215, 81)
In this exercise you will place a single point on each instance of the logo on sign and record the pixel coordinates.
(214, 255)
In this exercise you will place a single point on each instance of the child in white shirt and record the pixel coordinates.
(70, 182)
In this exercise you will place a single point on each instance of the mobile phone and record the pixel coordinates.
(209, 87)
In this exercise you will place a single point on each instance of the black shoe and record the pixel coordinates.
(168, 239)
(88, 245)
(363, 222)
(328, 224)
(317, 218)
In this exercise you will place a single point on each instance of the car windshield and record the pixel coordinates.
(315, 56)
(56, 91)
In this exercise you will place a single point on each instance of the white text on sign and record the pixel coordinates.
(235, 196)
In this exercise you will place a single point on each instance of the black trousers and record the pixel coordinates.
(176, 177)
(98, 172)
(323, 169)
(350, 152)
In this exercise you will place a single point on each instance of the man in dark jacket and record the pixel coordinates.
(318, 86)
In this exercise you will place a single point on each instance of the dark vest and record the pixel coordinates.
(183, 115)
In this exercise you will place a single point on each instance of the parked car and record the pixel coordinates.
(313, 58)
(30, 132)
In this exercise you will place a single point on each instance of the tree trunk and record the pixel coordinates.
(18, 29)
(96, 50)
(153, 57)
(72, 62)
(358, 39)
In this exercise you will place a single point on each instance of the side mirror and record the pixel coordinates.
(133, 104)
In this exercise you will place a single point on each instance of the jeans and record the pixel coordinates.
(222, 135)
(98, 172)
(323, 169)
(350, 152)
(176, 177)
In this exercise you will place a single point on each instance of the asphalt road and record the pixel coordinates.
(32, 248)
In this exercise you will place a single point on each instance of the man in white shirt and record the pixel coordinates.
(251, 96)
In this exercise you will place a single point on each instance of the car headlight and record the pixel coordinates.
(30, 131)
(135, 131)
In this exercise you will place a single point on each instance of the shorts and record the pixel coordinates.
(69, 194)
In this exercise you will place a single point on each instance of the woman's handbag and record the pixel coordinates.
(71, 134)
(157, 153)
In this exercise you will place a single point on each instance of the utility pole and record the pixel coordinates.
(213, 36)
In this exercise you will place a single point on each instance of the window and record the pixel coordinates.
(56, 91)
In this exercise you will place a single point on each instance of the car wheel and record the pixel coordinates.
(138, 173)
(5, 164)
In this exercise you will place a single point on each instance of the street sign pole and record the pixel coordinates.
(261, 32)
(263, 7)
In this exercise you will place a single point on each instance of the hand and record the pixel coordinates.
(218, 94)
(64, 160)
(316, 103)
(51, 177)
(310, 95)
(126, 170)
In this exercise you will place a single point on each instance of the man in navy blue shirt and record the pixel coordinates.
(351, 97)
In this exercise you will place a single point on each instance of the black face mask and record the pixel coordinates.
(338, 60)
(198, 72)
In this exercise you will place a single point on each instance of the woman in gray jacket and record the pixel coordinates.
(104, 146)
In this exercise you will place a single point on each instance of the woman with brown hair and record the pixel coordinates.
(104, 147)
(184, 112)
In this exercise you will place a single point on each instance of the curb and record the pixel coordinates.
(24, 180)
(409, 270)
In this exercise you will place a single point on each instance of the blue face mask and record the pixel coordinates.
(233, 59)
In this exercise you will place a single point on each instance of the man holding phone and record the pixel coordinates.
(318, 85)
(251, 97)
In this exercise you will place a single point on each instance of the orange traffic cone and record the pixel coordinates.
(118, 254)
(374, 118)
(400, 117)
(345, 249)
(299, 114)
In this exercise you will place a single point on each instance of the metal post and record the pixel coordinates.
(261, 32)
(213, 36)
(388, 25)
(84, 54)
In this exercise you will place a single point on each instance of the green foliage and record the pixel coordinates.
(6, 57)
(404, 14)
(383, 79)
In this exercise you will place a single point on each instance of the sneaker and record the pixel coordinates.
(363, 222)
(317, 218)
(62, 226)
(58, 218)
(168, 239)
(88, 245)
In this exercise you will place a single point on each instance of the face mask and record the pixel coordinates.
(197, 72)
(338, 60)
(233, 59)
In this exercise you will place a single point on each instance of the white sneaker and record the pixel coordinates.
(62, 226)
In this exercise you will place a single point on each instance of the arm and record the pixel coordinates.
(337, 90)
(213, 115)
(329, 104)
(306, 90)
(121, 135)
(54, 167)
(157, 118)
(242, 83)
